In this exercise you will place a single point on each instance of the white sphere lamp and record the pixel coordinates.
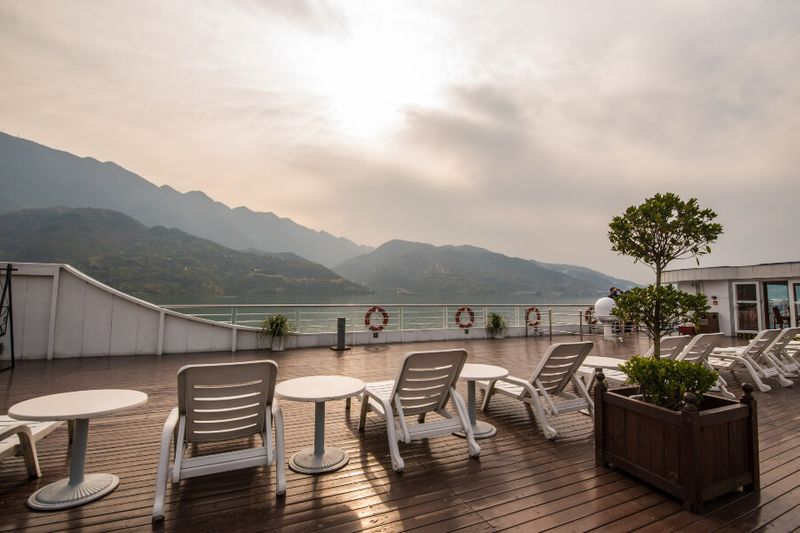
(602, 311)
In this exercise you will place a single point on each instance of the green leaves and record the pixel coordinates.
(663, 382)
(676, 307)
(276, 326)
(496, 324)
(662, 229)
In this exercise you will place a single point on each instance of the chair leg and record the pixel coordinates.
(362, 419)
(549, 431)
(487, 395)
(266, 436)
(461, 409)
(280, 453)
(163, 467)
(394, 449)
(29, 452)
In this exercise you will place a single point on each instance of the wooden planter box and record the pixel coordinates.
(693, 454)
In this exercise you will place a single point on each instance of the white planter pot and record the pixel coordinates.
(278, 344)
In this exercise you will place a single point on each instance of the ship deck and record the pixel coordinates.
(521, 481)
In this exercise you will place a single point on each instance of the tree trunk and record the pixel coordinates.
(657, 320)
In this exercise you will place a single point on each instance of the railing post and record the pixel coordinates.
(233, 316)
(580, 324)
(516, 316)
(550, 323)
(444, 321)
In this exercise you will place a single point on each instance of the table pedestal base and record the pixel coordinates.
(305, 462)
(61, 495)
(480, 430)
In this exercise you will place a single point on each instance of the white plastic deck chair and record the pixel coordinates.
(752, 358)
(425, 382)
(699, 350)
(782, 355)
(219, 402)
(545, 389)
(19, 437)
(671, 347)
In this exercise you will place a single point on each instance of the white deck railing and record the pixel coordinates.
(541, 319)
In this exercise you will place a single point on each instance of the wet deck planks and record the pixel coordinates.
(521, 482)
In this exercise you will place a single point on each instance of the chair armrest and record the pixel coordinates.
(169, 428)
(16, 429)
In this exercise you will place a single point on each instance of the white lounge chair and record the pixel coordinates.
(783, 355)
(753, 359)
(19, 437)
(545, 388)
(425, 382)
(219, 402)
(699, 350)
(671, 347)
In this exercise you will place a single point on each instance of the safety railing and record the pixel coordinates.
(537, 319)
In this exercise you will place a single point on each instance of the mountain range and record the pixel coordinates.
(424, 268)
(127, 255)
(33, 176)
(125, 240)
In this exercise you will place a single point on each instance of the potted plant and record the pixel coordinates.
(668, 432)
(496, 325)
(276, 328)
(665, 429)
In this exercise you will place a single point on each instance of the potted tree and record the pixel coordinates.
(496, 325)
(665, 429)
(275, 329)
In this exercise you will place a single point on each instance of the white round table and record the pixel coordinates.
(473, 372)
(319, 389)
(79, 406)
(607, 363)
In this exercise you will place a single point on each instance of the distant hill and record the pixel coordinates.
(592, 276)
(424, 268)
(146, 262)
(35, 176)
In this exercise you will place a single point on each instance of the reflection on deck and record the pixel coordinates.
(521, 481)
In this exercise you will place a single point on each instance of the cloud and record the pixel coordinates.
(521, 127)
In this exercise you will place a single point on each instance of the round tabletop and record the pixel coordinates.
(319, 388)
(475, 371)
(77, 404)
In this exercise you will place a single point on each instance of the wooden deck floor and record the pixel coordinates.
(521, 481)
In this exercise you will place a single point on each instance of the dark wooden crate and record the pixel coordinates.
(695, 454)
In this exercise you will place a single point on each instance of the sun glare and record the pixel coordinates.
(369, 79)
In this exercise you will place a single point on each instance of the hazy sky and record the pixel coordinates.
(522, 127)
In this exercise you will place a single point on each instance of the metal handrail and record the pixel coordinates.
(553, 319)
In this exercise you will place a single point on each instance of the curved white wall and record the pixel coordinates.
(61, 312)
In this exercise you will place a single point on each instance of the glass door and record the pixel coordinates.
(776, 304)
(796, 306)
(747, 317)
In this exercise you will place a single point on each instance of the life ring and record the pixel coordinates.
(465, 309)
(531, 311)
(588, 315)
(368, 318)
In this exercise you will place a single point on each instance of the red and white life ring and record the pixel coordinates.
(588, 315)
(368, 318)
(533, 310)
(459, 312)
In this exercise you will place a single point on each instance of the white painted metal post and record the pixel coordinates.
(161, 333)
(51, 333)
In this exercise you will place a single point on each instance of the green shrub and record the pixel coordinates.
(663, 382)
(495, 324)
(276, 326)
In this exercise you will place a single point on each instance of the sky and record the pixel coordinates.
(522, 127)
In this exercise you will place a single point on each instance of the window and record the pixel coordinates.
(746, 307)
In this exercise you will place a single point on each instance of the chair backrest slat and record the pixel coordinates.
(700, 347)
(559, 363)
(225, 401)
(425, 378)
(783, 339)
